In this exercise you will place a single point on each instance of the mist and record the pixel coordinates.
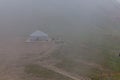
(60, 17)
(77, 22)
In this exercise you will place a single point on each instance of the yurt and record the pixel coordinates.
(38, 36)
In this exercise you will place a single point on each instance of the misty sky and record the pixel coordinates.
(21, 17)
(118, 1)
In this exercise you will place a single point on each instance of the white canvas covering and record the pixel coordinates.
(38, 36)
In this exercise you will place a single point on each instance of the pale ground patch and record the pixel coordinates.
(14, 53)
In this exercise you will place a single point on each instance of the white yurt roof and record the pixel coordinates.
(38, 33)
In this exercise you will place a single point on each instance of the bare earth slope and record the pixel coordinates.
(15, 54)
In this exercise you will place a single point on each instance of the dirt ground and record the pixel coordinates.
(14, 53)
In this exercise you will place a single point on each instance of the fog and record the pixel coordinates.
(67, 19)
(81, 24)
(55, 17)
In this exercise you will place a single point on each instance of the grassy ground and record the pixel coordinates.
(110, 48)
(45, 74)
(102, 49)
(74, 67)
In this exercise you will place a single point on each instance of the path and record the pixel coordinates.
(12, 56)
(58, 70)
(15, 54)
